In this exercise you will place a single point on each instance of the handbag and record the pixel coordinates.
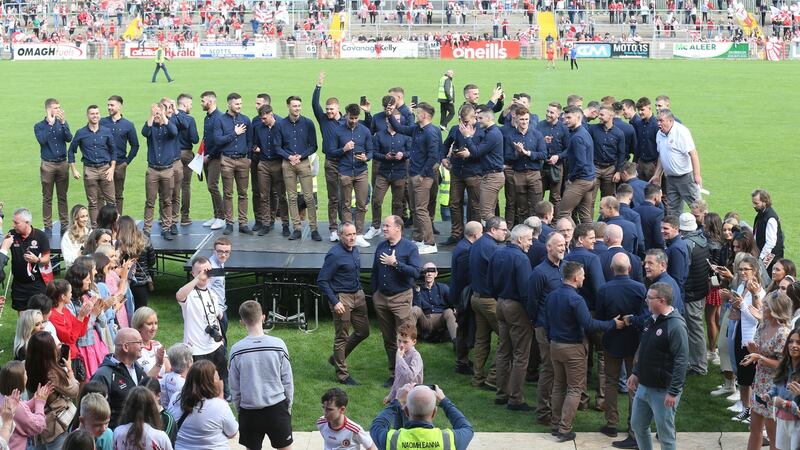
(554, 172)
(65, 416)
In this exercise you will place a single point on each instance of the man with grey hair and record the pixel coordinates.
(120, 371)
(432, 310)
(30, 260)
(538, 251)
(509, 270)
(418, 404)
(678, 160)
(180, 361)
(613, 240)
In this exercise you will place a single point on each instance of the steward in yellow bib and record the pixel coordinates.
(447, 99)
(407, 423)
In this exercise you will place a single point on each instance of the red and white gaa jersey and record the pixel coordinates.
(349, 437)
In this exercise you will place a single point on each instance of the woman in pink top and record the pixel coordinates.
(29, 418)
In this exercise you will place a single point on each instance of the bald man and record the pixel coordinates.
(121, 372)
(613, 240)
(621, 296)
(418, 403)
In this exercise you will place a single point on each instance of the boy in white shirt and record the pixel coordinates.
(339, 432)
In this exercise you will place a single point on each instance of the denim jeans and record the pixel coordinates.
(648, 404)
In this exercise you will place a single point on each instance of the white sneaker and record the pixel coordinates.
(361, 242)
(334, 236)
(736, 407)
(428, 249)
(371, 233)
(419, 244)
(725, 390)
(715, 358)
(209, 222)
(218, 224)
(735, 397)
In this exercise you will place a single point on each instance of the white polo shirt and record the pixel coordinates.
(673, 150)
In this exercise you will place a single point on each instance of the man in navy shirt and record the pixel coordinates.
(432, 306)
(262, 99)
(353, 147)
(613, 240)
(391, 151)
(580, 168)
(509, 271)
(545, 211)
(124, 133)
(556, 137)
(187, 138)
(655, 271)
(53, 133)
(620, 296)
(627, 128)
(525, 146)
(465, 174)
(489, 151)
(339, 282)
(609, 151)
(426, 139)
(652, 216)
(646, 126)
(630, 175)
(99, 161)
(211, 159)
(295, 141)
(677, 252)
(544, 278)
(160, 133)
(484, 305)
(568, 323)
(459, 282)
(631, 236)
(625, 197)
(270, 171)
(394, 269)
(234, 137)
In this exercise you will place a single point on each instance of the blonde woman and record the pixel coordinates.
(152, 359)
(30, 322)
(72, 241)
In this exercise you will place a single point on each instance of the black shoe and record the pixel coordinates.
(519, 407)
(500, 401)
(628, 442)
(490, 384)
(532, 378)
(166, 236)
(263, 230)
(286, 232)
(244, 229)
(315, 235)
(146, 234)
(452, 240)
(349, 381)
(296, 234)
(464, 369)
(554, 431)
(48, 230)
(408, 222)
(435, 231)
(331, 361)
(257, 226)
(173, 229)
(564, 437)
(609, 431)
(228, 229)
(389, 382)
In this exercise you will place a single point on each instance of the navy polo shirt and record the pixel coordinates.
(479, 256)
(646, 130)
(544, 279)
(459, 269)
(532, 141)
(609, 146)
(425, 143)
(652, 217)
(391, 280)
(327, 127)
(568, 318)
(160, 148)
(678, 260)
(547, 230)
(509, 270)
(187, 130)
(621, 296)
(593, 270)
(124, 133)
(264, 139)
(52, 140)
(385, 143)
(210, 148)
(489, 149)
(97, 147)
(296, 138)
(434, 300)
(630, 135)
(537, 253)
(462, 167)
(559, 134)
(339, 273)
(580, 155)
(362, 139)
(225, 137)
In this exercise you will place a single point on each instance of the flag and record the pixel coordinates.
(134, 30)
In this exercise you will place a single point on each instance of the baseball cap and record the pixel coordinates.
(688, 222)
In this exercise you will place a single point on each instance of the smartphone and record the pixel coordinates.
(363, 100)
(65, 352)
(499, 84)
(414, 100)
(516, 96)
(216, 272)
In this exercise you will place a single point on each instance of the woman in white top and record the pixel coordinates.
(140, 424)
(72, 241)
(205, 421)
(153, 359)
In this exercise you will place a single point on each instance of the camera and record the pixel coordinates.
(213, 331)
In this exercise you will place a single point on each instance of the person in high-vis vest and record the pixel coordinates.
(446, 97)
(444, 192)
(161, 57)
(418, 404)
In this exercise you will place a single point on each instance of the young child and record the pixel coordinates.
(408, 362)
(261, 383)
(167, 421)
(339, 432)
(95, 413)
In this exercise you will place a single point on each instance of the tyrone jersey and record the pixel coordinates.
(349, 437)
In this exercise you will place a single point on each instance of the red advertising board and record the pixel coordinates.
(482, 50)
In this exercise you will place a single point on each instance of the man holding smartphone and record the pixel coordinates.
(30, 252)
(53, 133)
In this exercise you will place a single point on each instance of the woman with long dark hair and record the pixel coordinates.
(43, 366)
(91, 348)
(107, 218)
(132, 244)
(781, 269)
(205, 420)
(712, 229)
(140, 423)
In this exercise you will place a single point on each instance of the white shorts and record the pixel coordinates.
(787, 434)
